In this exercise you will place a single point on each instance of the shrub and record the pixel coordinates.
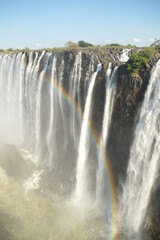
(139, 60)
(136, 62)
(115, 45)
(10, 49)
(84, 44)
(147, 52)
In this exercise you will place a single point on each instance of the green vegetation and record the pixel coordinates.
(139, 59)
(119, 46)
(10, 49)
(84, 44)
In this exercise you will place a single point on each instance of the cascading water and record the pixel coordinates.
(109, 100)
(40, 100)
(124, 56)
(41, 95)
(74, 92)
(143, 161)
(52, 108)
(81, 188)
(38, 106)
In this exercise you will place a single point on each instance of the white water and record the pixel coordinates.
(109, 100)
(42, 124)
(38, 106)
(21, 96)
(33, 182)
(81, 188)
(51, 117)
(74, 92)
(124, 57)
(143, 161)
(32, 102)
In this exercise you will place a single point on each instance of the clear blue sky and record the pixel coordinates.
(50, 23)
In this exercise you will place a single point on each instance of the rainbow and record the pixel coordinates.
(112, 187)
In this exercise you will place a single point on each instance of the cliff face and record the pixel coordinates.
(128, 100)
(129, 97)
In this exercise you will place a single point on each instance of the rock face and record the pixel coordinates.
(129, 97)
(128, 100)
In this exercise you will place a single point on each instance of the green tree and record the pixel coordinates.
(139, 59)
(114, 45)
(84, 44)
(147, 52)
(135, 63)
(10, 49)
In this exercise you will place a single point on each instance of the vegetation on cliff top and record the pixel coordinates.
(86, 45)
(74, 46)
(139, 59)
(82, 45)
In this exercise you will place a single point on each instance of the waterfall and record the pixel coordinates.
(124, 56)
(21, 96)
(38, 106)
(74, 92)
(144, 159)
(81, 189)
(41, 97)
(52, 108)
(109, 100)
(12, 97)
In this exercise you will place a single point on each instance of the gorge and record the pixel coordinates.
(80, 146)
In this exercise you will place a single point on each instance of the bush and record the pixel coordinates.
(139, 60)
(136, 62)
(115, 45)
(147, 52)
(84, 44)
(10, 49)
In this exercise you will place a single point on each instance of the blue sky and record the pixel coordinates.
(50, 23)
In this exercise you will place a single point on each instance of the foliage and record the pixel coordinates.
(147, 52)
(139, 60)
(118, 46)
(115, 45)
(135, 63)
(10, 49)
(84, 44)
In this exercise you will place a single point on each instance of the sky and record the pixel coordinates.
(52, 23)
